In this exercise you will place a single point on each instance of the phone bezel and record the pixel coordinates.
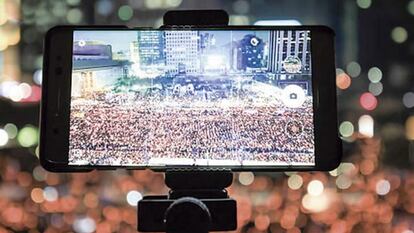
(55, 103)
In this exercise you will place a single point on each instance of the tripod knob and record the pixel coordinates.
(187, 215)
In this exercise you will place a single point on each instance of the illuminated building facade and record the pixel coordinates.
(182, 52)
(289, 44)
(151, 48)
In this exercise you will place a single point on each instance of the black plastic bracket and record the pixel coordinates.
(196, 18)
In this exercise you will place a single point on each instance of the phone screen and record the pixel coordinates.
(208, 97)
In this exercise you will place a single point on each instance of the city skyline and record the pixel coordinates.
(121, 40)
(199, 52)
(155, 54)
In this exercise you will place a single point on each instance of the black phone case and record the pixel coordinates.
(326, 117)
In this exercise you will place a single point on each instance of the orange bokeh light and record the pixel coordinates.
(37, 195)
(262, 222)
(367, 166)
(91, 200)
(343, 81)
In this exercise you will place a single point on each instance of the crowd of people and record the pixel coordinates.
(122, 130)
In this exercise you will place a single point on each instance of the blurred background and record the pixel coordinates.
(371, 191)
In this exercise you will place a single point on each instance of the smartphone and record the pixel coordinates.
(241, 98)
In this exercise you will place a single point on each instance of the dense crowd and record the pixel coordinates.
(121, 131)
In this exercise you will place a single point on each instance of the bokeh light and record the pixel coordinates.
(105, 7)
(133, 197)
(4, 137)
(16, 93)
(74, 16)
(14, 37)
(375, 88)
(339, 71)
(367, 167)
(125, 12)
(91, 200)
(84, 225)
(246, 178)
(37, 195)
(3, 45)
(28, 136)
(368, 101)
(345, 168)
(239, 20)
(39, 173)
(59, 9)
(366, 126)
(7, 87)
(295, 181)
(343, 182)
(383, 187)
(409, 128)
(408, 99)
(25, 89)
(50, 194)
(353, 69)
(315, 203)
(37, 77)
(364, 4)
(153, 4)
(346, 129)
(11, 130)
(315, 188)
(3, 16)
(374, 74)
(399, 35)
(410, 7)
(343, 81)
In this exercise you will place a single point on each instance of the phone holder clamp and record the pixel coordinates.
(197, 201)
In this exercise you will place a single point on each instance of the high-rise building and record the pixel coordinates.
(182, 52)
(134, 52)
(150, 48)
(292, 44)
